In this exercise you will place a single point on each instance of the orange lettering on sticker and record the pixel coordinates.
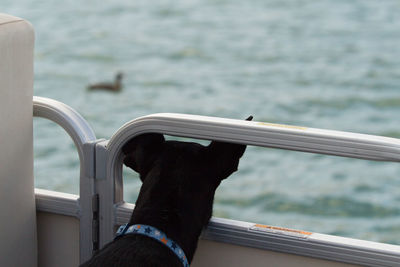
(283, 229)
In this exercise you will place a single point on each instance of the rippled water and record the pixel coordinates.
(323, 64)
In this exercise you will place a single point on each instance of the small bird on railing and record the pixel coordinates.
(115, 87)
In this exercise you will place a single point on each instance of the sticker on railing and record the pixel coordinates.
(279, 230)
(282, 125)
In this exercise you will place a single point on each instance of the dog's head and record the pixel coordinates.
(184, 161)
(180, 175)
(150, 151)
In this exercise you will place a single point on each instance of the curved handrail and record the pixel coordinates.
(289, 137)
(337, 143)
(73, 123)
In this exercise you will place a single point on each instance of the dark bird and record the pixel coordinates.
(115, 87)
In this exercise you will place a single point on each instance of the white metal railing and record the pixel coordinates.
(103, 159)
(265, 134)
(84, 138)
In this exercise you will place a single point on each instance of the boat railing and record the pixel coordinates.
(84, 138)
(101, 207)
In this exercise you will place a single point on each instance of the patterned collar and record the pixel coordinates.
(156, 234)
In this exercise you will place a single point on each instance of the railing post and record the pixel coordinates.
(87, 233)
(104, 188)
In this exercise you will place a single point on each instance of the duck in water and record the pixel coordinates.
(115, 87)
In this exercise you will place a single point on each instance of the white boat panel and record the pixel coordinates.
(58, 240)
(217, 254)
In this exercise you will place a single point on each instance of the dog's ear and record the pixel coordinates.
(225, 156)
(141, 151)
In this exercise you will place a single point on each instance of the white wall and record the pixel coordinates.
(17, 203)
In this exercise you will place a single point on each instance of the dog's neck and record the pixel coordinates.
(179, 218)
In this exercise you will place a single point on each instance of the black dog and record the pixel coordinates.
(179, 182)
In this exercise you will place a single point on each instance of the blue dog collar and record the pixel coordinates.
(156, 234)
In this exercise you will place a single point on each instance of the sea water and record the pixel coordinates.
(331, 64)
